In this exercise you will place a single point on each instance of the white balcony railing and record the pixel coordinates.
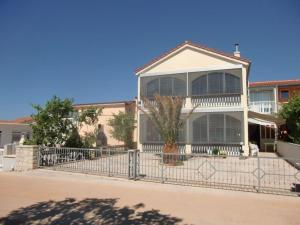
(265, 107)
(217, 100)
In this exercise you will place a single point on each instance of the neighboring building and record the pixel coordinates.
(267, 97)
(11, 131)
(215, 81)
(108, 110)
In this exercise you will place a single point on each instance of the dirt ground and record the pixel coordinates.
(51, 197)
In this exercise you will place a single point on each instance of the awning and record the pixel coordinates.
(260, 122)
(264, 119)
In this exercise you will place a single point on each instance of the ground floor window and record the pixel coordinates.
(149, 132)
(16, 137)
(201, 128)
(216, 128)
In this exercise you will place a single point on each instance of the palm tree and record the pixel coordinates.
(165, 113)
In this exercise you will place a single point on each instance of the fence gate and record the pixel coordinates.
(107, 161)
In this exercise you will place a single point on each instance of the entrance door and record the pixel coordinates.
(254, 134)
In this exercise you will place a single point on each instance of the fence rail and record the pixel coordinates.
(257, 174)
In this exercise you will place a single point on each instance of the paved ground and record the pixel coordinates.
(49, 197)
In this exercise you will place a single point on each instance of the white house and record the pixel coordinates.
(215, 81)
(11, 131)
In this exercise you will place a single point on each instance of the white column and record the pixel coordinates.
(245, 111)
(275, 99)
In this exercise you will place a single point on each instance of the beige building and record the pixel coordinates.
(108, 110)
(215, 82)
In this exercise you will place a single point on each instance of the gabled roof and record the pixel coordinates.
(189, 43)
(274, 83)
(103, 104)
(21, 120)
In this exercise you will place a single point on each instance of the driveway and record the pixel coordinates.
(51, 197)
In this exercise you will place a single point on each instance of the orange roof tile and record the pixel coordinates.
(275, 83)
(20, 120)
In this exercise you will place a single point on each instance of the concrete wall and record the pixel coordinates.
(288, 150)
(9, 162)
(26, 157)
(8, 128)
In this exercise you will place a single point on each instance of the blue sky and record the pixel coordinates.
(88, 50)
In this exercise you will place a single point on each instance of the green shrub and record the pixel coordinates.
(215, 151)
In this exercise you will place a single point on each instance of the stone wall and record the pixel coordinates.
(26, 157)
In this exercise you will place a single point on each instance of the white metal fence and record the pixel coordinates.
(258, 174)
(1, 158)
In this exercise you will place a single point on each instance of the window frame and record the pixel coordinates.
(224, 85)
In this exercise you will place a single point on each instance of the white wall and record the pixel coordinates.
(8, 128)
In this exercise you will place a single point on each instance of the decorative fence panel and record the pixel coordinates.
(257, 174)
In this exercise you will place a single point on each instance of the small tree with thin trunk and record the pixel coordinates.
(165, 113)
(123, 125)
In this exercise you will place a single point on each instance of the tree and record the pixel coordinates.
(123, 125)
(165, 113)
(52, 125)
(57, 123)
(291, 113)
(89, 118)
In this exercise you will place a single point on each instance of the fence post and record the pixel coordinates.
(109, 158)
(162, 168)
(258, 174)
(135, 163)
(130, 161)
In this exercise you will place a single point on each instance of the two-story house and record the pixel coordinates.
(215, 82)
(267, 97)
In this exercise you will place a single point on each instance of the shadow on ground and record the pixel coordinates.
(87, 211)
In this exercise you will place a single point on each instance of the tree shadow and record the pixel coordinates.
(87, 211)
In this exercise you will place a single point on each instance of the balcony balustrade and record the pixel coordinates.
(223, 100)
(265, 107)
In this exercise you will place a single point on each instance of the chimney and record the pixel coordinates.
(237, 53)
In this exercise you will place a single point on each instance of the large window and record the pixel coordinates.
(216, 83)
(16, 137)
(167, 85)
(261, 96)
(216, 129)
(150, 134)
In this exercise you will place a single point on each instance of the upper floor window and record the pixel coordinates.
(216, 83)
(284, 95)
(261, 95)
(168, 85)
